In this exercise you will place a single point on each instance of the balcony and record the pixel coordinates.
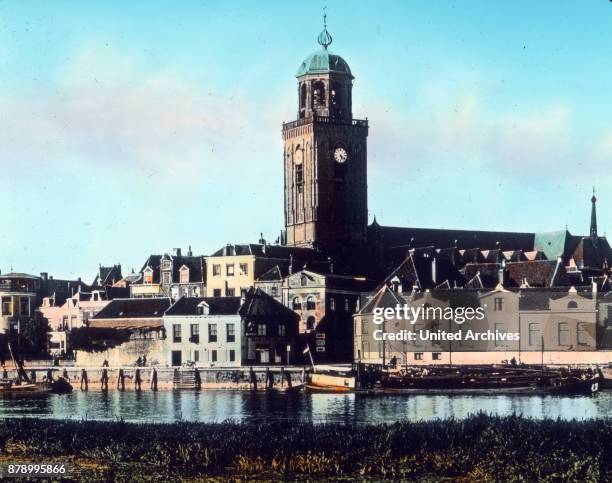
(324, 120)
(18, 287)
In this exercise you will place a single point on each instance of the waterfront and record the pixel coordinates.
(218, 406)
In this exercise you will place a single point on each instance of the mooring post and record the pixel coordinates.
(137, 381)
(269, 378)
(154, 379)
(121, 381)
(84, 380)
(33, 375)
(282, 376)
(49, 376)
(288, 376)
(65, 374)
(104, 379)
(253, 379)
(198, 379)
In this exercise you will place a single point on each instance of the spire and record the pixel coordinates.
(324, 39)
(593, 216)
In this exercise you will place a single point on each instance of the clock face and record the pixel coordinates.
(340, 155)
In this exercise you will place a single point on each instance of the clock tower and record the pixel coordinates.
(325, 158)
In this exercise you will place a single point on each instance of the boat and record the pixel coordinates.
(331, 381)
(58, 386)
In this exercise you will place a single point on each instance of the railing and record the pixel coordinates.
(15, 287)
(324, 120)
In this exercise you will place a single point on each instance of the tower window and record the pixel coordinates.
(318, 94)
(336, 99)
(299, 175)
(303, 93)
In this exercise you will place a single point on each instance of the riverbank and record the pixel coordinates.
(480, 447)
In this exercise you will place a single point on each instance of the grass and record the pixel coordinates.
(479, 448)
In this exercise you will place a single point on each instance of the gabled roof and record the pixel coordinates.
(216, 306)
(280, 252)
(108, 275)
(257, 303)
(275, 274)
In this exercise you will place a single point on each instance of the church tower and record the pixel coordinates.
(325, 157)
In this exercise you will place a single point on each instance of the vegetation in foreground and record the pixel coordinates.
(479, 448)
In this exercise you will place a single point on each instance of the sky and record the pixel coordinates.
(131, 128)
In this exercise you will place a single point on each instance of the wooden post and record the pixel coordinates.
(121, 381)
(137, 381)
(154, 380)
(198, 379)
(104, 380)
(84, 380)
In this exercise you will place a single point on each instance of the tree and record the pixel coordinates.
(34, 336)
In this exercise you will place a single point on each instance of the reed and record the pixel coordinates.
(481, 447)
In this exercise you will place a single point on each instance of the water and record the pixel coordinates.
(216, 406)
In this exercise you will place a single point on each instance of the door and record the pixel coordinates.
(176, 358)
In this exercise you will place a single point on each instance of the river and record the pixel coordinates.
(217, 406)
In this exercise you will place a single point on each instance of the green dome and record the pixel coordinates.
(323, 62)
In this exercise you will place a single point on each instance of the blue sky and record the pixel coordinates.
(129, 128)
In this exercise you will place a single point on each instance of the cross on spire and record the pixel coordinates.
(593, 216)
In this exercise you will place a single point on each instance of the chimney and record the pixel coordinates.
(44, 276)
(189, 252)
(177, 252)
(262, 240)
(501, 273)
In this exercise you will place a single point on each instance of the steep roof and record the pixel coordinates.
(146, 308)
(257, 303)
(391, 236)
(216, 306)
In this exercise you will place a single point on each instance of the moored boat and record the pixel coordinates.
(331, 381)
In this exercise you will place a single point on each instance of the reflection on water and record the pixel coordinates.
(211, 406)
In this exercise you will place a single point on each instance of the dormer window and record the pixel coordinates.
(184, 275)
(166, 278)
(148, 275)
(167, 265)
(203, 309)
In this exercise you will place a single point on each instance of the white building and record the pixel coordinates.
(204, 331)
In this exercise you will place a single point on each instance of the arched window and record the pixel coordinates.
(297, 303)
(310, 323)
(318, 94)
(332, 303)
(572, 304)
(336, 99)
(310, 303)
(303, 96)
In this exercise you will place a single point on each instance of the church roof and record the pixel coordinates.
(324, 62)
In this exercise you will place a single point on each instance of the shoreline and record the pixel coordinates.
(453, 449)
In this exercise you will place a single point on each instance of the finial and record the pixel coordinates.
(324, 39)
(593, 199)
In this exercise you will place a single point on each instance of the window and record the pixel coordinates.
(582, 335)
(262, 329)
(196, 356)
(212, 333)
(229, 269)
(243, 292)
(299, 175)
(24, 306)
(244, 269)
(176, 333)
(195, 333)
(346, 304)
(297, 303)
(230, 292)
(535, 338)
(166, 278)
(318, 94)
(73, 321)
(167, 265)
(303, 280)
(498, 304)
(274, 291)
(332, 303)
(418, 356)
(436, 356)
(213, 356)
(217, 292)
(282, 330)
(231, 333)
(7, 306)
(310, 303)
(563, 333)
(310, 322)
(184, 276)
(572, 304)
(148, 276)
(176, 358)
(364, 326)
(232, 355)
(216, 270)
(65, 322)
(499, 327)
